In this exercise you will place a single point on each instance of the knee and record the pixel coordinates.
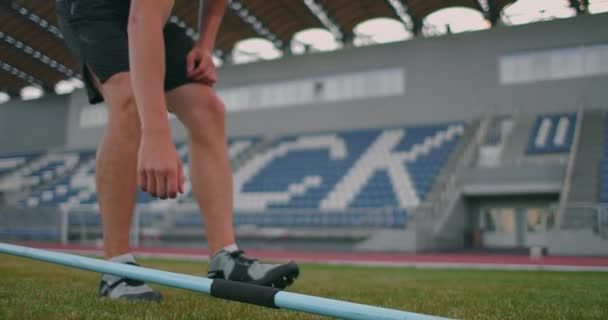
(211, 110)
(120, 102)
(208, 125)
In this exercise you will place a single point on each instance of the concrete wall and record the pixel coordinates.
(584, 242)
(33, 125)
(447, 78)
(522, 179)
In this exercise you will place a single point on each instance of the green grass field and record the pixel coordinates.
(36, 290)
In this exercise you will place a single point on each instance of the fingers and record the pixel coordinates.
(151, 182)
(201, 69)
(197, 72)
(172, 184)
(180, 176)
(208, 79)
(191, 61)
(161, 184)
(143, 181)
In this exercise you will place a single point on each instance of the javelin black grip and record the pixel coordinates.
(244, 292)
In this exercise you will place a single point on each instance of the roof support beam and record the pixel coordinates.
(401, 10)
(59, 67)
(190, 31)
(490, 11)
(239, 8)
(34, 18)
(43, 24)
(327, 21)
(581, 6)
(22, 75)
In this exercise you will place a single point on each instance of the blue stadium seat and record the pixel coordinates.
(10, 162)
(552, 133)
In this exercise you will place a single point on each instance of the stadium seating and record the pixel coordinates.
(367, 178)
(359, 178)
(44, 168)
(52, 175)
(9, 163)
(337, 171)
(552, 133)
(77, 187)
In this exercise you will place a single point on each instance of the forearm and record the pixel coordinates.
(213, 12)
(147, 65)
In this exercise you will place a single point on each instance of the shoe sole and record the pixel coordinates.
(152, 296)
(280, 277)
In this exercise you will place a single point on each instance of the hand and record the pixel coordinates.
(200, 66)
(159, 167)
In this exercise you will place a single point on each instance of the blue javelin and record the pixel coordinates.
(236, 291)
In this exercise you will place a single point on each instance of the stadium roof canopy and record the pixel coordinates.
(32, 52)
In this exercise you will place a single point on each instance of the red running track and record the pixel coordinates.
(430, 260)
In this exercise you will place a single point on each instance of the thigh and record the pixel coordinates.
(98, 40)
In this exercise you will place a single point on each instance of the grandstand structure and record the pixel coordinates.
(486, 140)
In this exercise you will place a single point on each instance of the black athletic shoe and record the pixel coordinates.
(114, 287)
(236, 266)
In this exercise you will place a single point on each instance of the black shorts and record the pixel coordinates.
(95, 31)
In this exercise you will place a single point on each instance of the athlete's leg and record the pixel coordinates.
(204, 116)
(116, 177)
(104, 55)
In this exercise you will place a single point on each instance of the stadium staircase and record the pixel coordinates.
(586, 171)
(516, 142)
(603, 194)
(438, 220)
(583, 183)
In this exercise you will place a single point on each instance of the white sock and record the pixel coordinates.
(230, 248)
(124, 258)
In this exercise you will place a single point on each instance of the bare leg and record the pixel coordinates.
(116, 177)
(203, 114)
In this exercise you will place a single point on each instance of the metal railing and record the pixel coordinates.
(565, 192)
(83, 223)
(585, 216)
(40, 224)
(433, 213)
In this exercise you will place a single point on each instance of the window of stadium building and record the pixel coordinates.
(295, 92)
(338, 87)
(498, 220)
(514, 227)
(555, 64)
